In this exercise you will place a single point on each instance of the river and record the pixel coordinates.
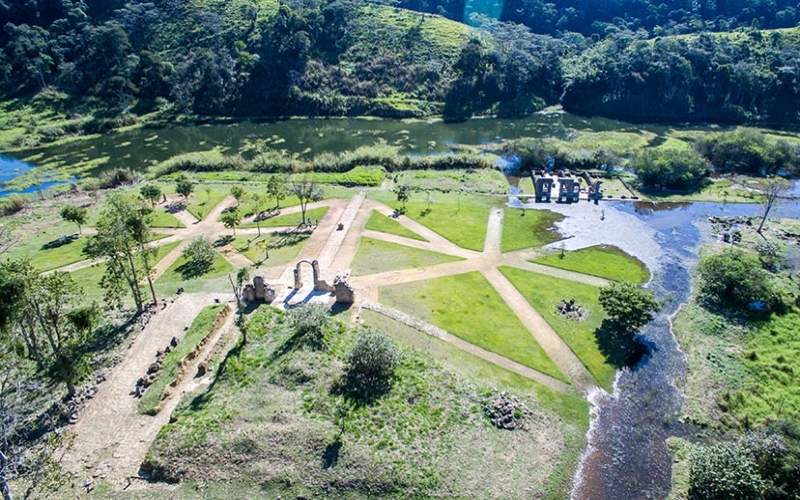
(627, 456)
(142, 147)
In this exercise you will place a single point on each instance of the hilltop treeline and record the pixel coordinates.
(348, 57)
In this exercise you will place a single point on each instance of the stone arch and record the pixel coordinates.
(298, 276)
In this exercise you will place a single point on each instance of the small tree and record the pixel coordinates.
(184, 187)
(402, 196)
(242, 277)
(629, 306)
(151, 193)
(239, 193)
(306, 190)
(75, 214)
(276, 187)
(771, 190)
(231, 217)
(199, 256)
(258, 206)
(373, 359)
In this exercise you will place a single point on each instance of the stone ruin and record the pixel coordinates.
(543, 187)
(506, 412)
(341, 289)
(258, 291)
(571, 310)
(569, 190)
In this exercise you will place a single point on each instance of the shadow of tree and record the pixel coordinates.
(330, 456)
(191, 270)
(620, 347)
(223, 240)
(360, 392)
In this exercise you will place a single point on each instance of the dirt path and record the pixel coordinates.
(111, 438)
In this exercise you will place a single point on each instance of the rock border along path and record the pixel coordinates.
(112, 438)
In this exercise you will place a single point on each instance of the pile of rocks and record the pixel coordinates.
(146, 381)
(571, 310)
(506, 412)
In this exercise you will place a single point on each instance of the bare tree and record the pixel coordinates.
(772, 189)
(7, 238)
(306, 190)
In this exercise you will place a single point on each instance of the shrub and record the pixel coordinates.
(117, 177)
(373, 359)
(734, 278)
(724, 471)
(672, 168)
(310, 324)
(13, 204)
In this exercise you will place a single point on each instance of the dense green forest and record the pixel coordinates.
(634, 60)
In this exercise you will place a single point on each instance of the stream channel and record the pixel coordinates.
(627, 457)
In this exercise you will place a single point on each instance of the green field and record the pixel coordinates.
(484, 319)
(290, 220)
(282, 249)
(603, 261)
(529, 228)
(543, 293)
(211, 280)
(377, 256)
(461, 219)
(379, 222)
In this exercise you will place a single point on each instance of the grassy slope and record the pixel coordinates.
(377, 256)
(739, 373)
(604, 261)
(579, 336)
(273, 413)
(484, 320)
(535, 228)
(379, 222)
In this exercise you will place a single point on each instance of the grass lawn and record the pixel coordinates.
(201, 325)
(604, 261)
(290, 220)
(377, 256)
(543, 293)
(379, 222)
(282, 250)
(162, 218)
(201, 202)
(484, 319)
(211, 280)
(461, 219)
(534, 229)
(42, 244)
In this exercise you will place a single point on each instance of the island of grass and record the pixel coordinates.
(459, 218)
(378, 256)
(201, 326)
(467, 306)
(291, 220)
(182, 275)
(528, 228)
(603, 261)
(282, 247)
(279, 410)
(383, 224)
(544, 292)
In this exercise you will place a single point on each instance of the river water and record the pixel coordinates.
(627, 456)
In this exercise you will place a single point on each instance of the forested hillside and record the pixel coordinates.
(349, 57)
